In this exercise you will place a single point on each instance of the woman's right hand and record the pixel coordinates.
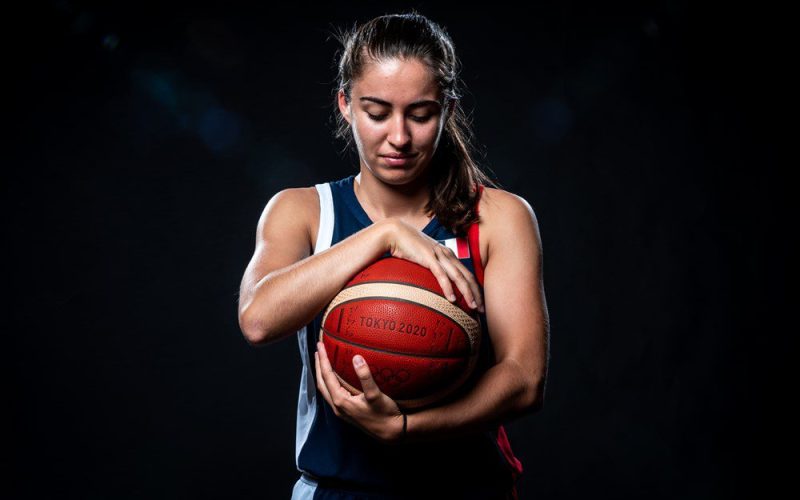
(407, 242)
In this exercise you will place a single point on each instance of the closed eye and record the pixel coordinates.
(380, 118)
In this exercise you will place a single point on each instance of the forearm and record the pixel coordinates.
(288, 298)
(500, 394)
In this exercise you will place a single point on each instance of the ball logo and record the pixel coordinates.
(419, 346)
(392, 325)
(389, 376)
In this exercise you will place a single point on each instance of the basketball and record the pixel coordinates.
(419, 346)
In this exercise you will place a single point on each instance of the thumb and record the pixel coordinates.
(371, 390)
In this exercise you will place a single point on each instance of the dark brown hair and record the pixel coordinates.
(454, 170)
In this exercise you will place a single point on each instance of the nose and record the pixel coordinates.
(399, 134)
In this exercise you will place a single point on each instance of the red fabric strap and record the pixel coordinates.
(474, 246)
(502, 438)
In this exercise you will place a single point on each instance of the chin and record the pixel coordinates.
(398, 175)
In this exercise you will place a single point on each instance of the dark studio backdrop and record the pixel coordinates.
(145, 140)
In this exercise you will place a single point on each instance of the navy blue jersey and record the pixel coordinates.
(331, 449)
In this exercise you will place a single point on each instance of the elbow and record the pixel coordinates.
(533, 400)
(253, 330)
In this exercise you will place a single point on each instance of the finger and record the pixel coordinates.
(323, 389)
(327, 396)
(458, 277)
(477, 294)
(448, 260)
(441, 276)
(371, 390)
(475, 288)
(337, 392)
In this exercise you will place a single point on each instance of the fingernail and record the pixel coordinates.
(358, 360)
(474, 305)
(452, 297)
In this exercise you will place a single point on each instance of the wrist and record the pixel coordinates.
(399, 434)
(385, 230)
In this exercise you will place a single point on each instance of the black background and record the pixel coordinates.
(145, 140)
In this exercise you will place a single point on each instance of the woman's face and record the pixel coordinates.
(395, 108)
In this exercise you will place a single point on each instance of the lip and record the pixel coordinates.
(397, 161)
(398, 155)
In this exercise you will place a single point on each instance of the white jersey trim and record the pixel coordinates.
(306, 398)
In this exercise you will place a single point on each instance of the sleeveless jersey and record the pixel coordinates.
(329, 448)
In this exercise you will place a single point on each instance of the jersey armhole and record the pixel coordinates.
(473, 236)
(325, 229)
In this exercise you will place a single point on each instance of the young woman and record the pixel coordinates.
(418, 187)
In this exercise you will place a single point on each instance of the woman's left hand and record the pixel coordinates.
(372, 411)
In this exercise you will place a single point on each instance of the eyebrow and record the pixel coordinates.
(415, 104)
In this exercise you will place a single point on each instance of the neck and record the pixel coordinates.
(406, 201)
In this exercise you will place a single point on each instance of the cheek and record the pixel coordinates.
(369, 134)
(361, 130)
(430, 135)
(366, 130)
(367, 139)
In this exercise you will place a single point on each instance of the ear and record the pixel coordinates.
(344, 107)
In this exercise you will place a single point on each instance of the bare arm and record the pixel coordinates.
(284, 287)
(518, 325)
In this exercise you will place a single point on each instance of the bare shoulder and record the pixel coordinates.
(494, 199)
(505, 217)
(298, 207)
